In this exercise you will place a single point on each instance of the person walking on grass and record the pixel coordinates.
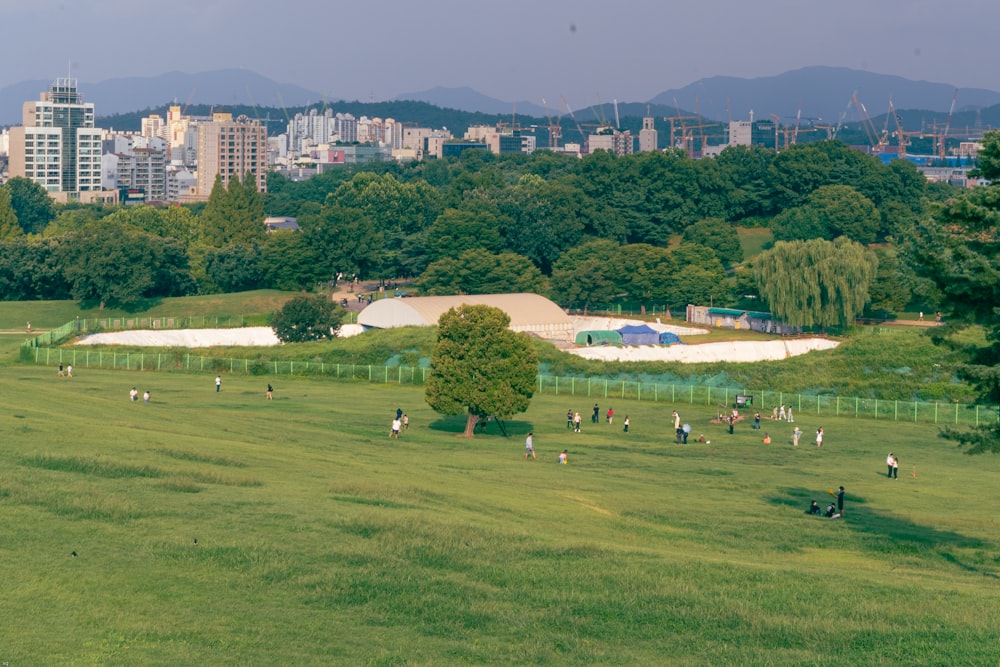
(895, 467)
(888, 465)
(796, 434)
(394, 430)
(611, 415)
(529, 446)
(69, 371)
(577, 420)
(626, 423)
(597, 414)
(819, 437)
(218, 383)
(270, 392)
(61, 372)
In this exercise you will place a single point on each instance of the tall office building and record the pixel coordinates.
(58, 147)
(231, 148)
(648, 136)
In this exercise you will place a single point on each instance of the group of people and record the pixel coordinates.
(834, 510)
(892, 466)
(781, 413)
(400, 423)
(65, 372)
(133, 395)
(574, 421)
(529, 450)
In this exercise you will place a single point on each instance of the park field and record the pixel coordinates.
(221, 528)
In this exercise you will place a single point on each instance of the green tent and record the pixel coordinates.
(598, 338)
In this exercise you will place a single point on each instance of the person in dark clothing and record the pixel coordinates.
(732, 421)
(840, 501)
(814, 508)
(597, 414)
(831, 511)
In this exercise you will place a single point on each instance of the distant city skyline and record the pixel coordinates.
(518, 50)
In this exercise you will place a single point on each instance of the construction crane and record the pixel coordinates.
(947, 126)
(555, 129)
(877, 140)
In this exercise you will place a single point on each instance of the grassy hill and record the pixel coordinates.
(220, 528)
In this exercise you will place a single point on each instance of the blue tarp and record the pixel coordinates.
(667, 338)
(639, 335)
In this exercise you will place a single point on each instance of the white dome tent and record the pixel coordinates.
(529, 313)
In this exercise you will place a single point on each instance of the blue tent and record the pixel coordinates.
(639, 335)
(667, 338)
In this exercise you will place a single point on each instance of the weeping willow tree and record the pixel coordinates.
(816, 282)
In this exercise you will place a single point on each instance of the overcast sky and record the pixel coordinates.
(586, 50)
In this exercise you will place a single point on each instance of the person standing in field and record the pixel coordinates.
(626, 423)
(69, 371)
(218, 383)
(840, 501)
(145, 396)
(60, 373)
(596, 415)
(756, 421)
(796, 434)
(394, 430)
(270, 392)
(406, 421)
(133, 395)
(569, 419)
(577, 420)
(888, 465)
(529, 446)
(819, 437)
(895, 467)
(790, 420)
(611, 415)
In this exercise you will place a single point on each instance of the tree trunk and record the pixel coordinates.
(470, 425)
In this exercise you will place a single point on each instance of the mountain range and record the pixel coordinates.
(814, 93)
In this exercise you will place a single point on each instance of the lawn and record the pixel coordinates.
(220, 528)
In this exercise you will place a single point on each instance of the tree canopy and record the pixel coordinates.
(479, 366)
(306, 318)
(816, 282)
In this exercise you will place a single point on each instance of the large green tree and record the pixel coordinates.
(114, 264)
(480, 367)
(816, 282)
(9, 229)
(31, 203)
(477, 271)
(959, 251)
(306, 318)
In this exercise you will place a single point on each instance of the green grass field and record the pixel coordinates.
(322, 542)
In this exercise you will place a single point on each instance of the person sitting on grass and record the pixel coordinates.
(814, 508)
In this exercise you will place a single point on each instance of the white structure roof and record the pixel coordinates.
(529, 313)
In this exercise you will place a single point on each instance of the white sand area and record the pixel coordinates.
(705, 352)
(242, 337)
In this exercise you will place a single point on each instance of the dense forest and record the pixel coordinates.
(651, 228)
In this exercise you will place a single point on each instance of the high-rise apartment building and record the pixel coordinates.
(231, 148)
(58, 147)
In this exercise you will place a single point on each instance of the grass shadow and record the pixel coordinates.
(456, 426)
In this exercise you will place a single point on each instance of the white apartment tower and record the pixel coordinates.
(57, 145)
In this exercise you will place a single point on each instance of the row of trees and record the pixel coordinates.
(549, 223)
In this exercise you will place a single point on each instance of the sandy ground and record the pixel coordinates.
(243, 337)
(706, 352)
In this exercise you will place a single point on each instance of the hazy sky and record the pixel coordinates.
(586, 50)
